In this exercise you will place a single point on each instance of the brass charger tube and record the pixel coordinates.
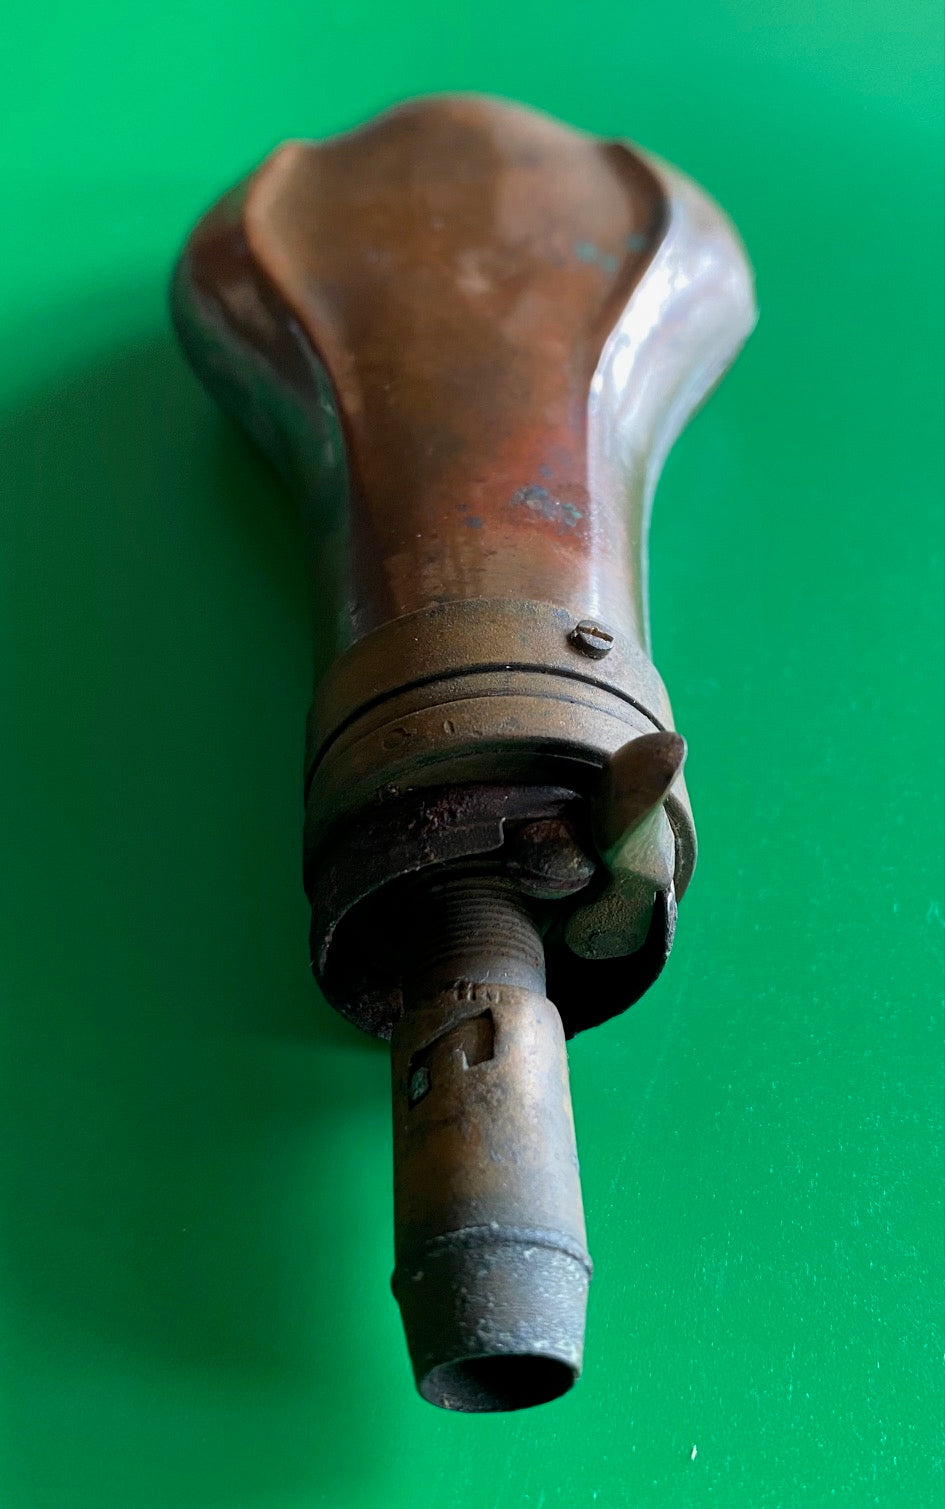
(468, 335)
(492, 1265)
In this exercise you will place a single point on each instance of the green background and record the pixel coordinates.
(194, 1175)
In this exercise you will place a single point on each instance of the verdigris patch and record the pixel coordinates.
(543, 503)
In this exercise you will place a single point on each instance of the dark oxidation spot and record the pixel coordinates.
(472, 1039)
(419, 1084)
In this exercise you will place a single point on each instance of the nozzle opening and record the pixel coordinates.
(477, 1385)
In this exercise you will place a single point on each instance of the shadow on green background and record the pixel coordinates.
(168, 1070)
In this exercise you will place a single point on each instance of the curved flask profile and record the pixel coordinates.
(680, 331)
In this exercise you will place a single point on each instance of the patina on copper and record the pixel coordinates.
(467, 335)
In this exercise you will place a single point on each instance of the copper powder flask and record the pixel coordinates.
(467, 336)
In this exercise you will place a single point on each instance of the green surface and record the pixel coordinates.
(196, 1215)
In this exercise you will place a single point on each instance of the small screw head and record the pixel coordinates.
(592, 639)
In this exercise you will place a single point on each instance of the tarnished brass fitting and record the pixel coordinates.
(468, 335)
